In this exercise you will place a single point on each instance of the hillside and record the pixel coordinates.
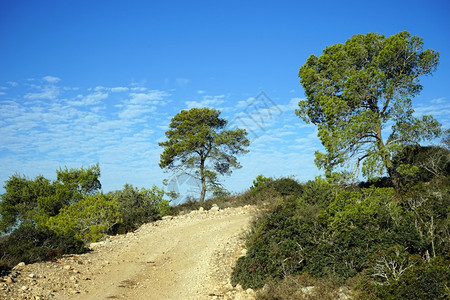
(184, 257)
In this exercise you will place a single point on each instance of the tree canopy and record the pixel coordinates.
(25, 199)
(197, 140)
(360, 91)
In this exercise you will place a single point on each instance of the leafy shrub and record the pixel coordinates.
(396, 274)
(26, 199)
(139, 206)
(286, 186)
(88, 219)
(30, 244)
(300, 236)
(278, 244)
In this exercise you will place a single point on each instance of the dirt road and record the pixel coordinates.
(187, 257)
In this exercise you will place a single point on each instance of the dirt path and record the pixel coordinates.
(187, 257)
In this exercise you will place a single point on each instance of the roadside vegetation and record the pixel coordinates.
(384, 238)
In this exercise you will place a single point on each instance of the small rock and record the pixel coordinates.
(214, 208)
(167, 217)
(244, 252)
(73, 292)
(67, 267)
(9, 280)
(24, 288)
(19, 265)
(307, 290)
(32, 275)
(250, 292)
(201, 209)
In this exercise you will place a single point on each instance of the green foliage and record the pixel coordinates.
(396, 274)
(83, 182)
(88, 219)
(355, 89)
(26, 200)
(197, 140)
(20, 201)
(286, 186)
(420, 163)
(325, 238)
(30, 244)
(259, 183)
(430, 206)
(139, 206)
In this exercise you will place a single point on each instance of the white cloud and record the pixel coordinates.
(438, 100)
(90, 99)
(51, 79)
(12, 83)
(207, 101)
(152, 97)
(201, 92)
(132, 112)
(49, 92)
(119, 89)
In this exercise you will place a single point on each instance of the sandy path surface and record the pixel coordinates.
(170, 259)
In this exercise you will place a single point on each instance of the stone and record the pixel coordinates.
(250, 292)
(307, 290)
(244, 252)
(32, 275)
(214, 208)
(9, 280)
(201, 209)
(67, 267)
(19, 265)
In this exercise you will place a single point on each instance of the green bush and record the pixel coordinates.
(88, 219)
(139, 206)
(301, 236)
(397, 275)
(278, 244)
(286, 186)
(30, 244)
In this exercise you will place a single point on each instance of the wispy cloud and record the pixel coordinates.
(91, 99)
(207, 101)
(48, 92)
(51, 79)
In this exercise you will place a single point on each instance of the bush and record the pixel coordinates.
(139, 206)
(300, 236)
(278, 244)
(286, 186)
(398, 275)
(88, 219)
(30, 244)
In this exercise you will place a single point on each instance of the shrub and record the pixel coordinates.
(278, 244)
(88, 219)
(400, 275)
(30, 244)
(286, 186)
(139, 206)
(299, 236)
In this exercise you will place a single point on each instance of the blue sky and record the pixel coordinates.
(83, 82)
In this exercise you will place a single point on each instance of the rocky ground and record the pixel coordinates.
(184, 257)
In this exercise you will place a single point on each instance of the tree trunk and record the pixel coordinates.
(393, 175)
(203, 180)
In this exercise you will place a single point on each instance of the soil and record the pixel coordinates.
(184, 257)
